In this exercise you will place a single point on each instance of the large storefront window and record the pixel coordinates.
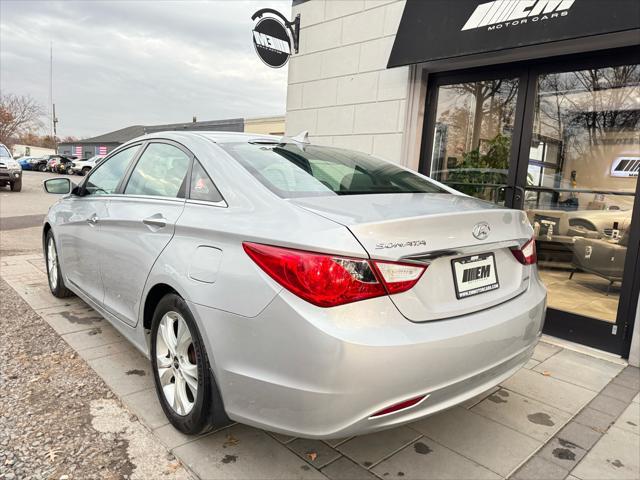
(568, 153)
(472, 140)
(581, 181)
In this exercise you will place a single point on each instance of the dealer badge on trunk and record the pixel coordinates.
(481, 230)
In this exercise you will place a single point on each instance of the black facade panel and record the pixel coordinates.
(433, 30)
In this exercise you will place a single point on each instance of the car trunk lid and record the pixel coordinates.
(464, 273)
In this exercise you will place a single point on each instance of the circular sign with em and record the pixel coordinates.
(272, 43)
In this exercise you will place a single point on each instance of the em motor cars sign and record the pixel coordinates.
(501, 13)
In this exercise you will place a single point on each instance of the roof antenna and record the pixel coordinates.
(302, 137)
(301, 140)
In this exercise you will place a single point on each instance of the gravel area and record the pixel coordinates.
(53, 410)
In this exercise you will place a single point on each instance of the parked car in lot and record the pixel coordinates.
(52, 163)
(26, 163)
(64, 165)
(10, 171)
(40, 163)
(59, 163)
(307, 290)
(82, 167)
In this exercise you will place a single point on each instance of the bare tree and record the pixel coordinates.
(18, 115)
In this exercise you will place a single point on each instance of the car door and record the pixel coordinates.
(140, 223)
(79, 233)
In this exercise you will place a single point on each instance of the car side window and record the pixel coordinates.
(160, 172)
(202, 187)
(104, 179)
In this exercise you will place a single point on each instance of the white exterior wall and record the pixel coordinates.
(339, 87)
(19, 150)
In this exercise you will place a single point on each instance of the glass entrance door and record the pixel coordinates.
(564, 145)
(473, 136)
(581, 176)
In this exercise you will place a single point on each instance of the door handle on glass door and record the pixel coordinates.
(156, 220)
(519, 192)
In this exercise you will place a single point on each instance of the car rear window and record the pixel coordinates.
(290, 170)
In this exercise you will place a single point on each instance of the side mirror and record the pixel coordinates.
(59, 186)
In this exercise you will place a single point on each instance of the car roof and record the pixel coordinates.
(217, 137)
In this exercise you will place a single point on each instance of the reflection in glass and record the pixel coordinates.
(582, 174)
(472, 141)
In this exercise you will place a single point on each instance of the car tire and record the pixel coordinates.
(54, 274)
(84, 171)
(174, 364)
(42, 168)
(16, 186)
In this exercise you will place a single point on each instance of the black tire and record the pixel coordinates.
(16, 186)
(208, 410)
(58, 289)
(84, 171)
(42, 167)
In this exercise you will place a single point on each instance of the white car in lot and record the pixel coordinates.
(82, 167)
(10, 170)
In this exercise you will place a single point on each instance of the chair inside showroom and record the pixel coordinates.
(602, 257)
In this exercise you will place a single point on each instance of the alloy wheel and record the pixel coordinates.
(52, 263)
(176, 363)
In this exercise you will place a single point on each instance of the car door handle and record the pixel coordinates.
(93, 220)
(157, 221)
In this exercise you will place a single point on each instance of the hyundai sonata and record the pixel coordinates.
(307, 290)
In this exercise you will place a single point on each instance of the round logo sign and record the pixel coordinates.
(272, 43)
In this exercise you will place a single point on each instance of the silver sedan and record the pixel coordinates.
(307, 290)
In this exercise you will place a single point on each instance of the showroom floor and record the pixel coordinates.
(584, 294)
(567, 414)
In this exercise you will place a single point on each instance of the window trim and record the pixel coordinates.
(112, 154)
(127, 177)
(187, 198)
(142, 146)
(219, 203)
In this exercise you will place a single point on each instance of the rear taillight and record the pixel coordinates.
(330, 280)
(398, 277)
(526, 254)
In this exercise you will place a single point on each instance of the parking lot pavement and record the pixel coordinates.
(550, 419)
(32, 199)
(21, 213)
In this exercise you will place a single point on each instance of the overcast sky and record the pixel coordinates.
(121, 63)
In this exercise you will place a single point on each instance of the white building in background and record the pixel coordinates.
(19, 150)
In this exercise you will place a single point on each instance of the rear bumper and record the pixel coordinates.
(321, 373)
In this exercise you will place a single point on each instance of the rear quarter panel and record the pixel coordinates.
(206, 260)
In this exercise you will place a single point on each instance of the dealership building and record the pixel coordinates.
(530, 104)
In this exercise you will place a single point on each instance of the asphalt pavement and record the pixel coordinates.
(21, 213)
(31, 200)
